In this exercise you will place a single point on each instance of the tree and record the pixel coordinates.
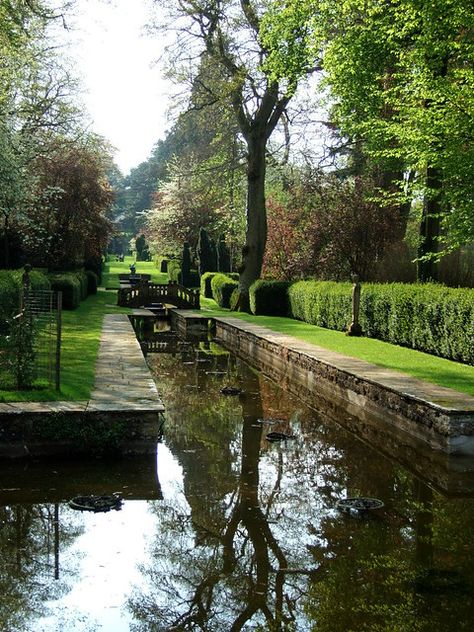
(228, 31)
(206, 253)
(400, 77)
(71, 224)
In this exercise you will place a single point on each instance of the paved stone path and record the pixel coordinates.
(122, 382)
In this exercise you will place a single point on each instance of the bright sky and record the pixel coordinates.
(126, 97)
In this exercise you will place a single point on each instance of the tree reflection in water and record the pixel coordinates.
(251, 539)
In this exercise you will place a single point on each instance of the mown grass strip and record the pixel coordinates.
(113, 268)
(423, 366)
(80, 343)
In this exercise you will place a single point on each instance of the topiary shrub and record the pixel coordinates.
(206, 289)
(69, 284)
(92, 282)
(83, 282)
(222, 288)
(186, 265)
(174, 270)
(223, 255)
(269, 297)
(206, 253)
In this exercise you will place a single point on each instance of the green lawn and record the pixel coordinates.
(113, 268)
(82, 328)
(420, 365)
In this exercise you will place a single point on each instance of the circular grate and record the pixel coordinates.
(359, 504)
(96, 503)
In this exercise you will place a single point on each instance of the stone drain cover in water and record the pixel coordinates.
(359, 504)
(96, 503)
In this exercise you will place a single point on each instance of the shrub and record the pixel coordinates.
(324, 303)
(10, 288)
(222, 288)
(92, 282)
(83, 283)
(206, 289)
(186, 265)
(9, 297)
(269, 297)
(164, 265)
(68, 283)
(174, 270)
(206, 252)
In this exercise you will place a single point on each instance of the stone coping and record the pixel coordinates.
(122, 380)
(439, 397)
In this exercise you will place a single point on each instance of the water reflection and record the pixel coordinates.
(235, 533)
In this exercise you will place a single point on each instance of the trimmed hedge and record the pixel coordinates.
(323, 303)
(70, 285)
(222, 288)
(269, 298)
(10, 287)
(427, 317)
(206, 278)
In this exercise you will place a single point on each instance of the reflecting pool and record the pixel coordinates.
(225, 530)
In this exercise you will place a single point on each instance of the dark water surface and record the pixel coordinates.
(224, 530)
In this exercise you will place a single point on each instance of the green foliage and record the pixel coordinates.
(9, 296)
(83, 282)
(428, 317)
(92, 282)
(269, 297)
(206, 253)
(10, 288)
(400, 77)
(223, 255)
(222, 288)
(206, 289)
(71, 286)
(186, 265)
(324, 303)
(19, 350)
(174, 270)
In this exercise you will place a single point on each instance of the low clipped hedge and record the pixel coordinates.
(269, 298)
(206, 279)
(222, 287)
(69, 283)
(427, 317)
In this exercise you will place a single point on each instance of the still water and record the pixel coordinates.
(224, 530)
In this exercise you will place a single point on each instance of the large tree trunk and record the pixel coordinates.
(430, 228)
(256, 232)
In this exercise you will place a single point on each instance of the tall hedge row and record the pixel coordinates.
(324, 303)
(428, 317)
